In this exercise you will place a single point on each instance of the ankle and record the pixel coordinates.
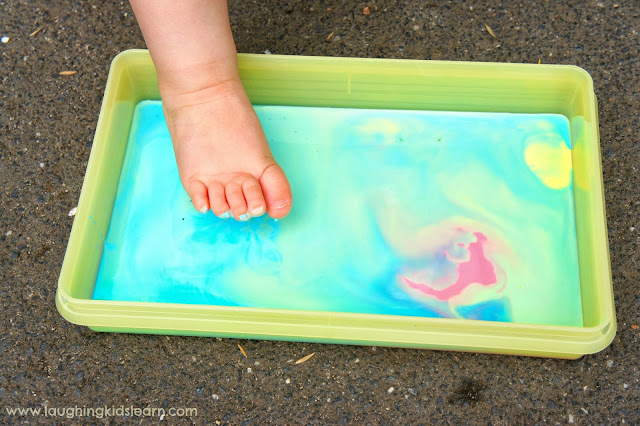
(222, 73)
(179, 97)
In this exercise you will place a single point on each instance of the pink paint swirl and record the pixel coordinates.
(477, 270)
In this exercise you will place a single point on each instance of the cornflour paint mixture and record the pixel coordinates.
(436, 214)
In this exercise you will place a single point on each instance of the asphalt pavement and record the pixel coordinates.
(47, 121)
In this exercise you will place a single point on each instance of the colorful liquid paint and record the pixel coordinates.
(455, 215)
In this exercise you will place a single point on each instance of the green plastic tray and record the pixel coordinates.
(354, 83)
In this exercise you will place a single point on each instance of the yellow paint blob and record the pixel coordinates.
(550, 162)
(386, 130)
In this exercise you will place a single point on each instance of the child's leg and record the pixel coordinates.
(223, 156)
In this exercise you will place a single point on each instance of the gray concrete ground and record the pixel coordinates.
(47, 123)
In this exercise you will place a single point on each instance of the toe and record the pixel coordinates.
(218, 200)
(235, 198)
(198, 193)
(276, 190)
(256, 205)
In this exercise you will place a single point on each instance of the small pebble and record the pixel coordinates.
(584, 410)
(73, 211)
(41, 165)
(390, 390)
(215, 397)
(610, 363)
(626, 386)
(412, 391)
(8, 233)
(249, 370)
(288, 381)
(5, 39)
(571, 418)
(267, 52)
(256, 363)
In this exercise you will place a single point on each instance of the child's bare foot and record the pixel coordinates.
(223, 156)
(224, 160)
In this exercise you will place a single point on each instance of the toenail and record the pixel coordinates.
(225, 215)
(280, 204)
(257, 212)
(245, 217)
(203, 209)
